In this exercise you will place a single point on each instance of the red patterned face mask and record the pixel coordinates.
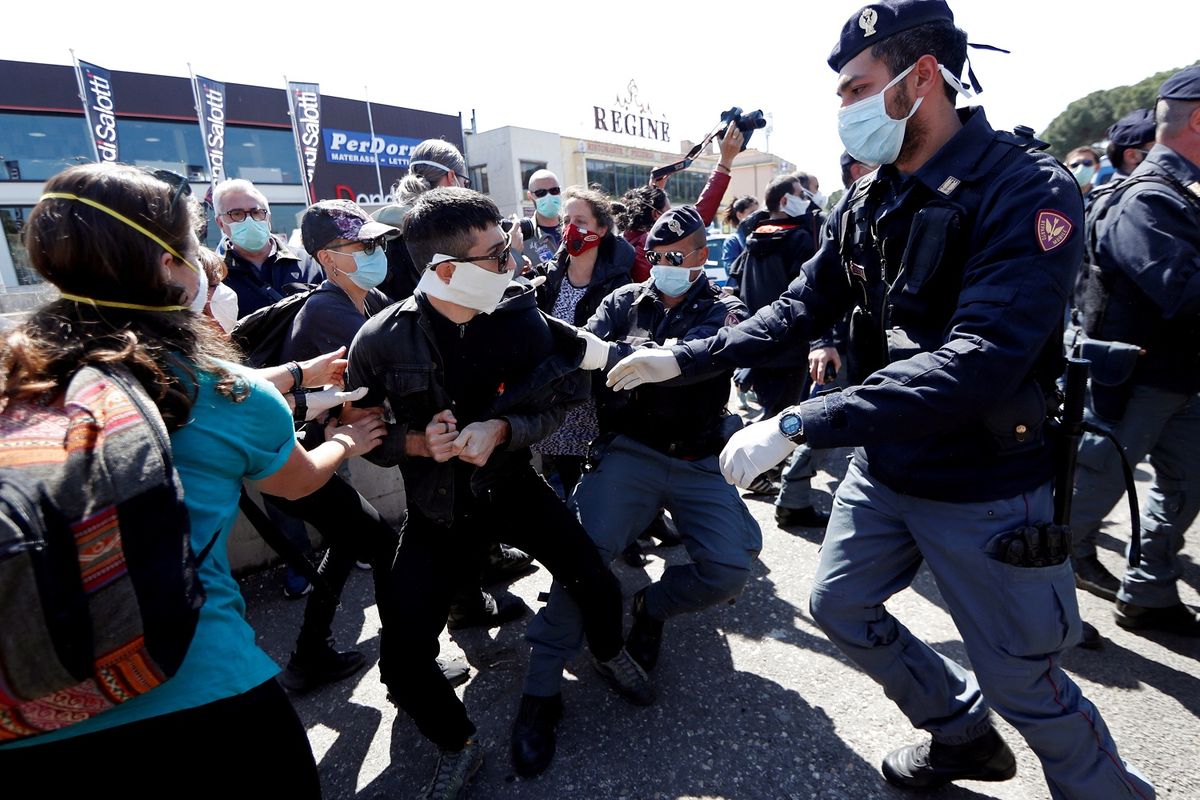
(579, 241)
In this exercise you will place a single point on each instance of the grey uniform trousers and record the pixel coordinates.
(1014, 624)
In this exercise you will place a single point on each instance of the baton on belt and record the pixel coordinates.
(1073, 428)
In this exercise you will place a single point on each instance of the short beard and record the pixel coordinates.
(914, 131)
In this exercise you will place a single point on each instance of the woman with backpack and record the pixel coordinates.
(119, 243)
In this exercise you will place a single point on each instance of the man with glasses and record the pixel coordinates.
(546, 195)
(1084, 163)
(657, 449)
(474, 374)
(261, 267)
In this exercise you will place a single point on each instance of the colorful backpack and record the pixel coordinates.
(99, 596)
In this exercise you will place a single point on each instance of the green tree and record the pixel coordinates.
(1086, 120)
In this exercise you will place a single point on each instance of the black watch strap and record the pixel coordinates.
(300, 412)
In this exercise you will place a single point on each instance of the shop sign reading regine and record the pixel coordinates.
(631, 117)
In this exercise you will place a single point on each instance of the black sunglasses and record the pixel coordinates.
(368, 247)
(539, 193)
(500, 258)
(176, 181)
(1081, 162)
(674, 258)
(466, 182)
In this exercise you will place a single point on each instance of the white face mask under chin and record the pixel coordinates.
(469, 286)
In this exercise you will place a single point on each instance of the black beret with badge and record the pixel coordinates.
(878, 21)
(675, 224)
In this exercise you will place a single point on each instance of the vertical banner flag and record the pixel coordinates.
(304, 106)
(95, 91)
(210, 110)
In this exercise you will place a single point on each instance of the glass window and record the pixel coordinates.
(35, 147)
(479, 179)
(155, 144)
(262, 155)
(527, 169)
(13, 219)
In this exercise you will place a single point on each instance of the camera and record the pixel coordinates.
(747, 123)
(527, 231)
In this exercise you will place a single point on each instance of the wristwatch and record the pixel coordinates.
(792, 426)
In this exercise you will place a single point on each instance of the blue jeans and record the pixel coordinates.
(1014, 623)
(615, 502)
(1166, 426)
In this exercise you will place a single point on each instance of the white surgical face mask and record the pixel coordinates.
(224, 307)
(820, 199)
(201, 299)
(470, 286)
(795, 206)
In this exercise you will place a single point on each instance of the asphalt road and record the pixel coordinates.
(754, 703)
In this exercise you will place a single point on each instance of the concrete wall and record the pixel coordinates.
(502, 151)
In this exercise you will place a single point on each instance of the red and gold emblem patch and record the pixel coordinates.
(1052, 229)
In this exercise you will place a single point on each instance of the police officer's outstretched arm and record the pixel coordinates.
(780, 332)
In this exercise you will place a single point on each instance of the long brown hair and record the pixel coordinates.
(87, 252)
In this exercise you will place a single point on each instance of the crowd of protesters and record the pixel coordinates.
(560, 384)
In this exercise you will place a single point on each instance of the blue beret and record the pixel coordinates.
(1133, 129)
(1183, 85)
(676, 223)
(878, 21)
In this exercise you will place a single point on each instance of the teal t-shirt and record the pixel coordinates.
(223, 443)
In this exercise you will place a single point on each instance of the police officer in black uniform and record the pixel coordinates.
(957, 257)
(1142, 297)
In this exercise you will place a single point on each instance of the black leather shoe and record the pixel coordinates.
(1090, 638)
(492, 612)
(533, 733)
(645, 637)
(1094, 577)
(634, 556)
(662, 529)
(807, 517)
(932, 764)
(504, 563)
(309, 670)
(1179, 619)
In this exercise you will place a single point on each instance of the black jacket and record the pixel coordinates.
(775, 251)
(686, 410)
(281, 274)
(611, 272)
(395, 356)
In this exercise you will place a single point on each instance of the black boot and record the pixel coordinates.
(1094, 577)
(645, 637)
(491, 611)
(932, 764)
(533, 734)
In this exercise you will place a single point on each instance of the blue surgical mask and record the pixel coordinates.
(672, 281)
(250, 234)
(868, 133)
(1084, 174)
(548, 205)
(372, 269)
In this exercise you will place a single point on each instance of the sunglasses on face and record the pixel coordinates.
(500, 258)
(540, 193)
(368, 247)
(1081, 162)
(674, 258)
(239, 214)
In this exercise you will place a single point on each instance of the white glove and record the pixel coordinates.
(645, 365)
(322, 401)
(753, 450)
(595, 355)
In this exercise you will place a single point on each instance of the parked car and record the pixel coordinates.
(717, 269)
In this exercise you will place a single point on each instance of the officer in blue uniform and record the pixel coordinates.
(956, 257)
(658, 449)
(1142, 296)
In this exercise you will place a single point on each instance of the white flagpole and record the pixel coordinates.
(371, 123)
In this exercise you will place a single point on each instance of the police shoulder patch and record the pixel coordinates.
(1053, 228)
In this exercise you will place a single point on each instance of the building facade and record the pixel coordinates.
(43, 130)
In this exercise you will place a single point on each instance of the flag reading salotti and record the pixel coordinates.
(305, 105)
(95, 91)
(210, 109)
